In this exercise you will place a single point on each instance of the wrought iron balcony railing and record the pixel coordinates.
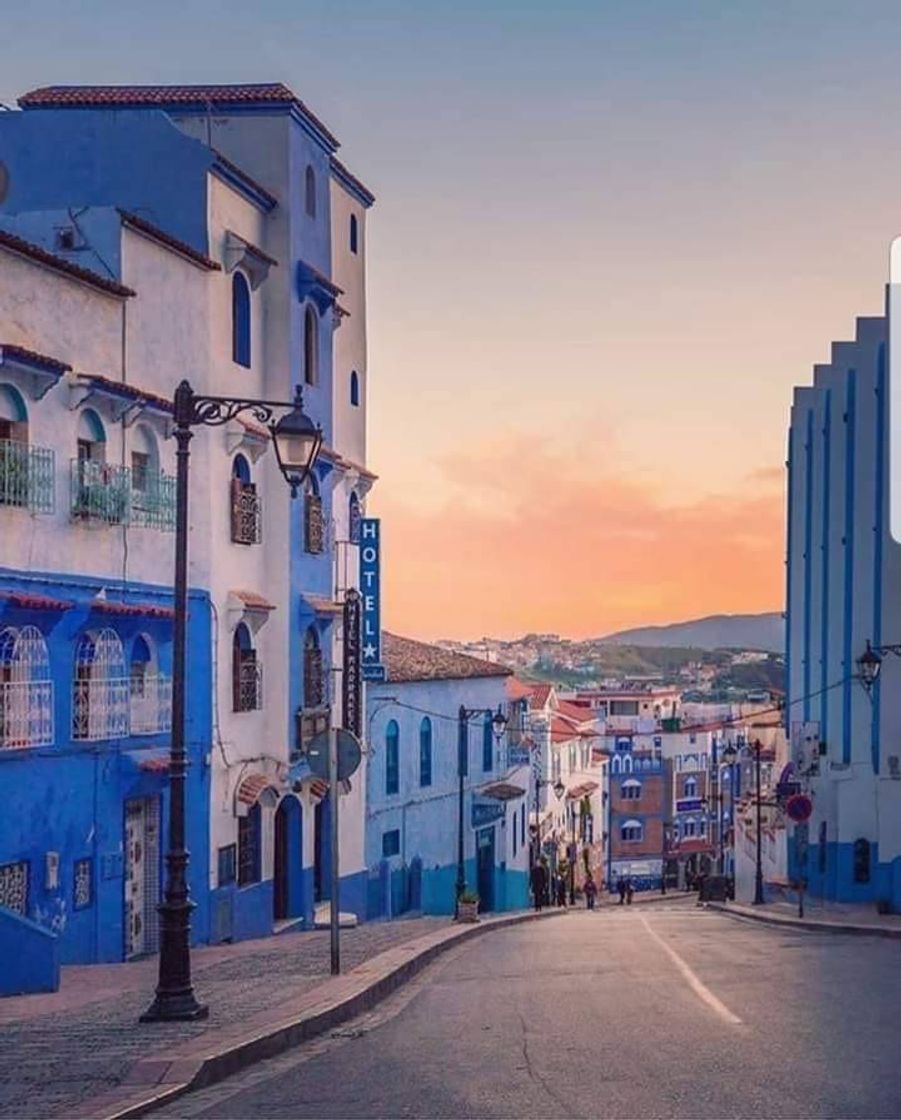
(26, 714)
(150, 705)
(100, 708)
(27, 476)
(110, 495)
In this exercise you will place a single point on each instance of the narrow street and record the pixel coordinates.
(661, 1010)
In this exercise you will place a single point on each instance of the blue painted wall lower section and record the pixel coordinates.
(830, 875)
(33, 953)
(393, 890)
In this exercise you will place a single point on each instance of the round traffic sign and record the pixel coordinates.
(798, 808)
(350, 754)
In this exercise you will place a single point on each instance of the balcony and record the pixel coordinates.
(150, 705)
(103, 494)
(246, 513)
(247, 686)
(26, 476)
(100, 708)
(26, 714)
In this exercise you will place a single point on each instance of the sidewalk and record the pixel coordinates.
(82, 1052)
(830, 917)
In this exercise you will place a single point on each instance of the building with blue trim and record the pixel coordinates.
(413, 784)
(843, 590)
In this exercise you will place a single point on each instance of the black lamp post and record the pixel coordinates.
(498, 725)
(729, 756)
(297, 442)
(573, 848)
(758, 874)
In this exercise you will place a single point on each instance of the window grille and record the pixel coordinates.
(104, 494)
(100, 692)
(246, 513)
(14, 887)
(249, 847)
(314, 526)
(150, 702)
(310, 722)
(247, 682)
(26, 691)
(83, 892)
(27, 476)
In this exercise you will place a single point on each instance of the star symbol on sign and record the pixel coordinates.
(369, 650)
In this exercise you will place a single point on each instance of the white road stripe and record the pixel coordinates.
(697, 986)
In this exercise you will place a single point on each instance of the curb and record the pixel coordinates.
(156, 1080)
(810, 924)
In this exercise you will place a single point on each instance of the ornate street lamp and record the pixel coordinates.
(869, 664)
(498, 726)
(297, 443)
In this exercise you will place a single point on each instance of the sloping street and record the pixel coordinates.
(654, 1011)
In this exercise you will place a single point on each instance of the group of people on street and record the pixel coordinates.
(625, 890)
(550, 888)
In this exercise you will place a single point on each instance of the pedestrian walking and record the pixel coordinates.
(561, 891)
(590, 888)
(539, 884)
(629, 892)
(621, 889)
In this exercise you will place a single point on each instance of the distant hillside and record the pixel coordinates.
(720, 631)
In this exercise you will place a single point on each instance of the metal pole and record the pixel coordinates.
(175, 999)
(335, 871)
(572, 858)
(715, 791)
(462, 752)
(758, 877)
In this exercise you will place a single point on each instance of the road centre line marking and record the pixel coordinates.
(697, 986)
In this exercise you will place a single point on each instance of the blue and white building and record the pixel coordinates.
(844, 589)
(413, 783)
(172, 232)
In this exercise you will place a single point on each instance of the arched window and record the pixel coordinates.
(310, 346)
(354, 518)
(354, 234)
(100, 689)
(150, 694)
(487, 744)
(310, 191)
(26, 692)
(392, 758)
(313, 676)
(26, 474)
(690, 788)
(247, 677)
(146, 491)
(354, 389)
(246, 508)
(314, 517)
(631, 790)
(631, 830)
(90, 438)
(250, 830)
(240, 320)
(13, 415)
(425, 752)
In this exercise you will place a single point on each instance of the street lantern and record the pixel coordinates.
(498, 723)
(729, 754)
(869, 663)
(297, 442)
(559, 788)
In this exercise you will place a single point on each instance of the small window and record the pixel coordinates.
(631, 831)
(354, 519)
(141, 667)
(354, 389)
(314, 519)
(392, 758)
(247, 678)
(310, 346)
(690, 788)
(240, 320)
(83, 886)
(425, 752)
(487, 744)
(227, 865)
(391, 843)
(354, 233)
(631, 790)
(313, 670)
(249, 830)
(310, 191)
(861, 860)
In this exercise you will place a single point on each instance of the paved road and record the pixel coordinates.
(654, 1011)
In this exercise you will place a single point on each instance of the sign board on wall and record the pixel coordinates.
(689, 805)
(352, 678)
(486, 810)
(370, 584)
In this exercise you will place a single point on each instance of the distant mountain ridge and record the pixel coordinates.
(718, 631)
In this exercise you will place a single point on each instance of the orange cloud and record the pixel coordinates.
(532, 538)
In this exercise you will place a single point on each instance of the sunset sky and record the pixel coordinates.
(609, 239)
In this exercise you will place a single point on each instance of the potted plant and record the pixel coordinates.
(468, 907)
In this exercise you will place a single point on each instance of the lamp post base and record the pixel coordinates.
(175, 1007)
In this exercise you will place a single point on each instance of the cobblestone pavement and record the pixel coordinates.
(57, 1050)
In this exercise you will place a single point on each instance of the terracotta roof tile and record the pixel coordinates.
(50, 260)
(579, 712)
(253, 601)
(27, 601)
(248, 792)
(540, 696)
(123, 389)
(140, 97)
(30, 357)
(408, 660)
(142, 610)
(516, 690)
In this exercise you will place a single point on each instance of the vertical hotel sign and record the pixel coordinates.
(370, 585)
